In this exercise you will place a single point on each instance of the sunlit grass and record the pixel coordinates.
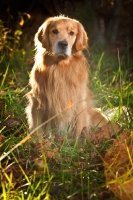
(73, 173)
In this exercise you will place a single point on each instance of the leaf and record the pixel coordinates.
(11, 122)
(118, 166)
(98, 135)
(22, 21)
(2, 92)
(12, 82)
(18, 33)
(69, 105)
(28, 15)
(2, 138)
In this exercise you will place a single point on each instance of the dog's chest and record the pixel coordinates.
(61, 86)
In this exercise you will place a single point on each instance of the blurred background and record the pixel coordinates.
(109, 23)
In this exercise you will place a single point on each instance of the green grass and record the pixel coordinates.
(74, 173)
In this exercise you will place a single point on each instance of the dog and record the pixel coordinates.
(60, 76)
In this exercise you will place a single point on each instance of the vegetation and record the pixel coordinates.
(63, 171)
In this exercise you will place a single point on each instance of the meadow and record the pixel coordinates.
(64, 171)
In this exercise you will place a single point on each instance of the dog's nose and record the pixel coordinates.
(62, 44)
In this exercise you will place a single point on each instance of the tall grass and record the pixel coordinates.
(73, 173)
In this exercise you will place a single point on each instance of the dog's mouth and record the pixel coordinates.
(61, 54)
(62, 49)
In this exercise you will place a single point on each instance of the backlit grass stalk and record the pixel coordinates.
(120, 83)
(32, 132)
(4, 77)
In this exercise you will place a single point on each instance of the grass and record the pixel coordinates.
(73, 173)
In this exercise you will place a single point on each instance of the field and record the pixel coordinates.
(65, 171)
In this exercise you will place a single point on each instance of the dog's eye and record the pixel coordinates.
(71, 33)
(55, 31)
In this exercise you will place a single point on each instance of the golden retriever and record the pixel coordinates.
(60, 76)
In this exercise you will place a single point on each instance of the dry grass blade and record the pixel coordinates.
(118, 163)
(32, 132)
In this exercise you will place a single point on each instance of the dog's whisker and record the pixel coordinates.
(49, 53)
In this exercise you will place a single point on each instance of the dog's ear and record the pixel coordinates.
(82, 39)
(42, 36)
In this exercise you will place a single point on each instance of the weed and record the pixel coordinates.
(73, 173)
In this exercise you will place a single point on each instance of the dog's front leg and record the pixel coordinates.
(81, 122)
(34, 115)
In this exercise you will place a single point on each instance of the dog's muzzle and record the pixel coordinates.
(63, 45)
(62, 48)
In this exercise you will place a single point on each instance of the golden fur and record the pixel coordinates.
(60, 76)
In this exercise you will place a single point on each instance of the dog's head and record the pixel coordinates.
(61, 36)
